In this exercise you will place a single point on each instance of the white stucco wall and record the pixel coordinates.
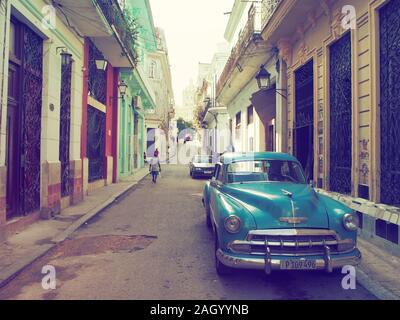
(240, 104)
(238, 20)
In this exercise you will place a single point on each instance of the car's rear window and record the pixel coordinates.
(203, 159)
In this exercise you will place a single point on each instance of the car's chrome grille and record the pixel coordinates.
(288, 242)
(294, 239)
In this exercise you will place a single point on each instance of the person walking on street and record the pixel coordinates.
(155, 167)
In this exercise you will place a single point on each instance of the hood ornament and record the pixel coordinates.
(292, 220)
(287, 193)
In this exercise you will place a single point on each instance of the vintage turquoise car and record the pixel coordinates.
(266, 216)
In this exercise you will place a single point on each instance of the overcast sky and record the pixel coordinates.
(193, 28)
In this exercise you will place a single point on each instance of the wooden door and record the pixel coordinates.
(24, 120)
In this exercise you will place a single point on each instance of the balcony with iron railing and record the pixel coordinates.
(259, 15)
(123, 23)
(268, 8)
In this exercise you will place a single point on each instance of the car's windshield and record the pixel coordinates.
(265, 171)
(202, 159)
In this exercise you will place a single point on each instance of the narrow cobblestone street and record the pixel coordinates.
(213, 151)
(154, 244)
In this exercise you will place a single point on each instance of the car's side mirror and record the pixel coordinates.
(213, 181)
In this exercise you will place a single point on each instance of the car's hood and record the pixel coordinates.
(203, 165)
(274, 205)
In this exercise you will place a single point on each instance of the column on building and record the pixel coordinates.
(4, 52)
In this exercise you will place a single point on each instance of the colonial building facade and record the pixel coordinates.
(341, 87)
(253, 114)
(158, 120)
(140, 96)
(335, 100)
(41, 113)
(73, 98)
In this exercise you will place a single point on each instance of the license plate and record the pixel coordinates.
(208, 172)
(298, 265)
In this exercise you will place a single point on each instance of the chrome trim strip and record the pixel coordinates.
(306, 254)
(233, 246)
(259, 263)
(292, 232)
(288, 243)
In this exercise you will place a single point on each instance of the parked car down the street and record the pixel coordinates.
(266, 216)
(201, 166)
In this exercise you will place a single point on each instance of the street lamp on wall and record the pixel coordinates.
(122, 86)
(66, 57)
(101, 64)
(263, 78)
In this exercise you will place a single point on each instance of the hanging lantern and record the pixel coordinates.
(66, 58)
(101, 64)
(263, 78)
(122, 86)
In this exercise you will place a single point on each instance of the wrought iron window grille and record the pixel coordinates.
(97, 81)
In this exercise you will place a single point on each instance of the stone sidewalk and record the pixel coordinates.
(23, 248)
(379, 271)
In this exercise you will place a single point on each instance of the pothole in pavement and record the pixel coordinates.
(101, 244)
(28, 283)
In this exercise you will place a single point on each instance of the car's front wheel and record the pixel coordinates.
(222, 270)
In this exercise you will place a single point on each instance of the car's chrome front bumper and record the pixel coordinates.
(268, 263)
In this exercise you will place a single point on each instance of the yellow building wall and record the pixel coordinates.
(313, 39)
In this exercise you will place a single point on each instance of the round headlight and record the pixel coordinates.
(232, 224)
(351, 221)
